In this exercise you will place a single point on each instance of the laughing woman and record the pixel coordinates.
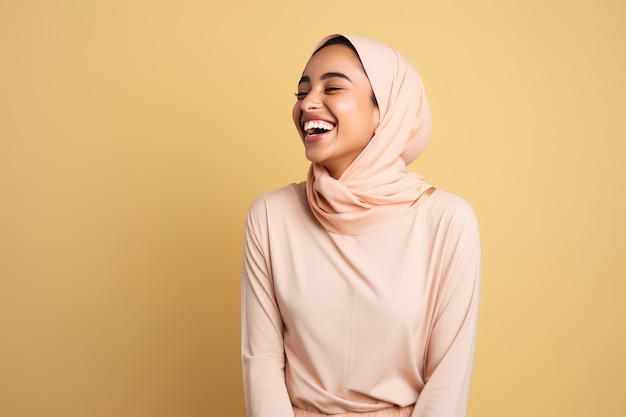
(360, 285)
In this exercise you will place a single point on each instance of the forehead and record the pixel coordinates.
(337, 58)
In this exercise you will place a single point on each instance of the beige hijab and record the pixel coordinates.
(375, 189)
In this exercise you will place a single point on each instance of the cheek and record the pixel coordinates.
(295, 114)
(361, 115)
(348, 110)
(375, 118)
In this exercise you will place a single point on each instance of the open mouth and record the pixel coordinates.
(317, 127)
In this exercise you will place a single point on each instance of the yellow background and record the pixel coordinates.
(134, 135)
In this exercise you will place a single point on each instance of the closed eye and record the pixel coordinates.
(302, 94)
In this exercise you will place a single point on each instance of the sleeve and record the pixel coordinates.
(262, 349)
(450, 349)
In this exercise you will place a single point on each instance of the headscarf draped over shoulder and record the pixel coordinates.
(375, 188)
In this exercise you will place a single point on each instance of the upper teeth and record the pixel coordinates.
(317, 124)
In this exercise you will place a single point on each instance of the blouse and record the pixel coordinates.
(334, 323)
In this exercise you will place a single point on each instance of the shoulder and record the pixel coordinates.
(287, 200)
(292, 194)
(445, 208)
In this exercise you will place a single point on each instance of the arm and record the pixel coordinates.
(262, 347)
(448, 366)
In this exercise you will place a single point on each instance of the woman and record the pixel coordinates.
(360, 285)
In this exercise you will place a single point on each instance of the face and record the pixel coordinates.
(335, 114)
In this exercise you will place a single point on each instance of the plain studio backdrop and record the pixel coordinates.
(134, 135)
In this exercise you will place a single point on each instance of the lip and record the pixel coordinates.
(309, 117)
(313, 139)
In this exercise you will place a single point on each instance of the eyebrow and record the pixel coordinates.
(307, 79)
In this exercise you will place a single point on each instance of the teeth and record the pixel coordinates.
(318, 124)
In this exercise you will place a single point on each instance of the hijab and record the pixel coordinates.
(375, 188)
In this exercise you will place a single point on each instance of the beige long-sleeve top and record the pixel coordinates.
(334, 323)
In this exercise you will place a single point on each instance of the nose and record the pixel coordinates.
(310, 102)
